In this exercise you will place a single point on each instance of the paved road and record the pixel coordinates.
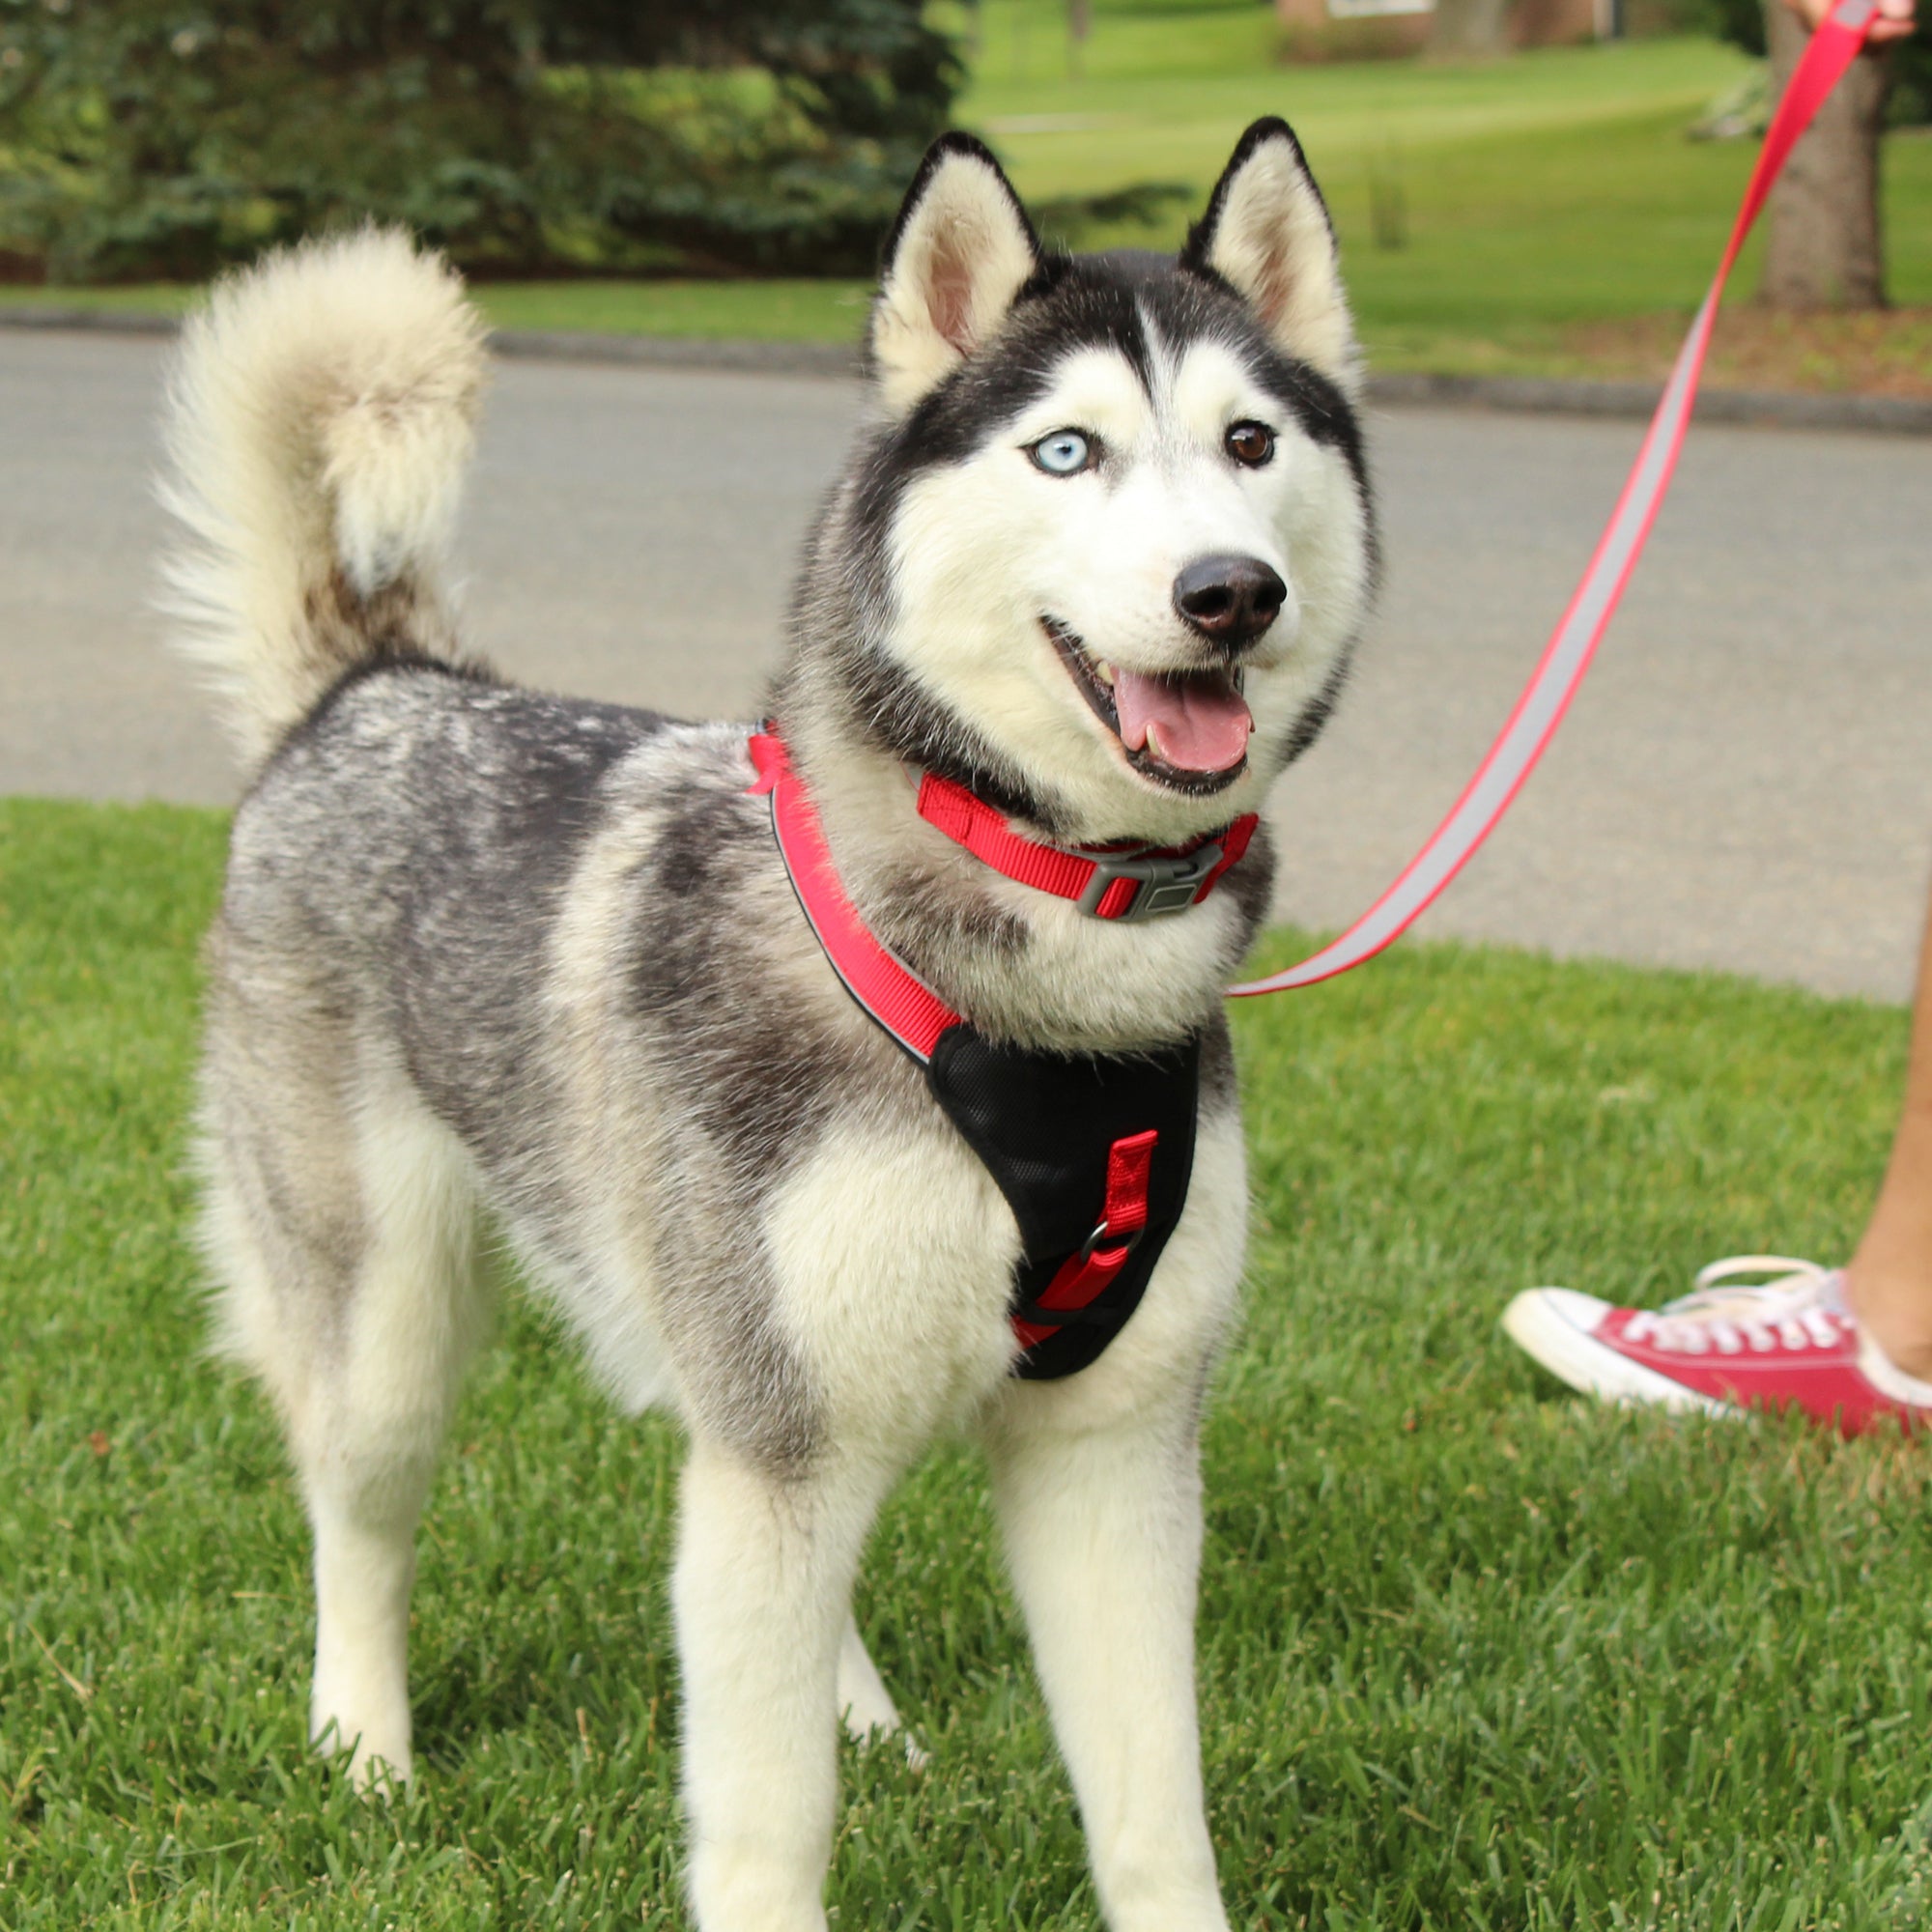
(1746, 781)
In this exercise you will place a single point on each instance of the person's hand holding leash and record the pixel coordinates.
(1896, 20)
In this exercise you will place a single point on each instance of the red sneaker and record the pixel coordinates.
(1729, 1347)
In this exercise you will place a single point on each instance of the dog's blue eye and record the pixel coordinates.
(1064, 453)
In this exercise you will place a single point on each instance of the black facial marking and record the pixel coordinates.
(1133, 303)
(1326, 416)
(1105, 301)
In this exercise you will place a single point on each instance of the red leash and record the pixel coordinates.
(1567, 655)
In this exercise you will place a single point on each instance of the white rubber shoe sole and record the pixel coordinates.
(1556, 1327)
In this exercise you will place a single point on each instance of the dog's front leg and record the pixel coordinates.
(1103, 1536)
(764, 1580)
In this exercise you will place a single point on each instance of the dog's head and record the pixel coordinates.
(1111, 525)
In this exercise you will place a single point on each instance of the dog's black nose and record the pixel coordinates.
(1230, 600)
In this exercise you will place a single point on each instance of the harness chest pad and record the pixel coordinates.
(1049, 1129)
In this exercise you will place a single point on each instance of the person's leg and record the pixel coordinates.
(1889, 1280)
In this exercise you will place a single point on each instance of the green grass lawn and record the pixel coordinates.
(1551, 189)
(1473, 1655)
(1528, 196)
(770, 311)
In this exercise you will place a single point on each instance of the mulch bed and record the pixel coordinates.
(1878, 352)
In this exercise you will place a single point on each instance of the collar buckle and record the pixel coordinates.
(1164, 882)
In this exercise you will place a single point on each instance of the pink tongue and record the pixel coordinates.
(1199, 722)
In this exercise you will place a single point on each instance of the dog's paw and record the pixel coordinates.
(888, 1730)
(865, 1706)
(378, 1764)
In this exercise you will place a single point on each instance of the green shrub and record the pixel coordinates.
(166, 137)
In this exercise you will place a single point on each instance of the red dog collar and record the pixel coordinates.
(1123, 882)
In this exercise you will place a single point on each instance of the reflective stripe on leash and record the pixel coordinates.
(1538, 712)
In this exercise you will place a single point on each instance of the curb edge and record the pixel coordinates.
(1526, 395)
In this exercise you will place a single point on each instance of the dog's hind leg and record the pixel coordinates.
(345, 1230)
(864, 1704)
(414, 1320)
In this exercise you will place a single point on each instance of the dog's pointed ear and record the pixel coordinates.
(1266, 234)
(960, 251)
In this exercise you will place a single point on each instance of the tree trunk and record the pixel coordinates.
(1825, 249)
(1469, 29)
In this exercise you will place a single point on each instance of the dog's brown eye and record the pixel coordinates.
(1251, 442)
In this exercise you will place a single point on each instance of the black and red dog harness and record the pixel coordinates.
(1092, 1151)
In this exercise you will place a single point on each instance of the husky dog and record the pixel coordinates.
(1099, 557)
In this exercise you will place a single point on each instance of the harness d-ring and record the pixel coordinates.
(1128, 1241)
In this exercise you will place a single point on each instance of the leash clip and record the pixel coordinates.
(1163, 882)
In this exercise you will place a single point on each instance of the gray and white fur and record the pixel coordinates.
(486, 951)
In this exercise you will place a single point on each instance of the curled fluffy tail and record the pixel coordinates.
(321, 417)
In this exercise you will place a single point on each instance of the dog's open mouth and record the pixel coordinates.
(1188, 729)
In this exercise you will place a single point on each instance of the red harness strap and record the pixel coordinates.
(888, 988)
(916, 1016)
(1083, 1276)
(1131, 882)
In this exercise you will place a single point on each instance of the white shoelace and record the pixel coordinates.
(1803, 1308)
